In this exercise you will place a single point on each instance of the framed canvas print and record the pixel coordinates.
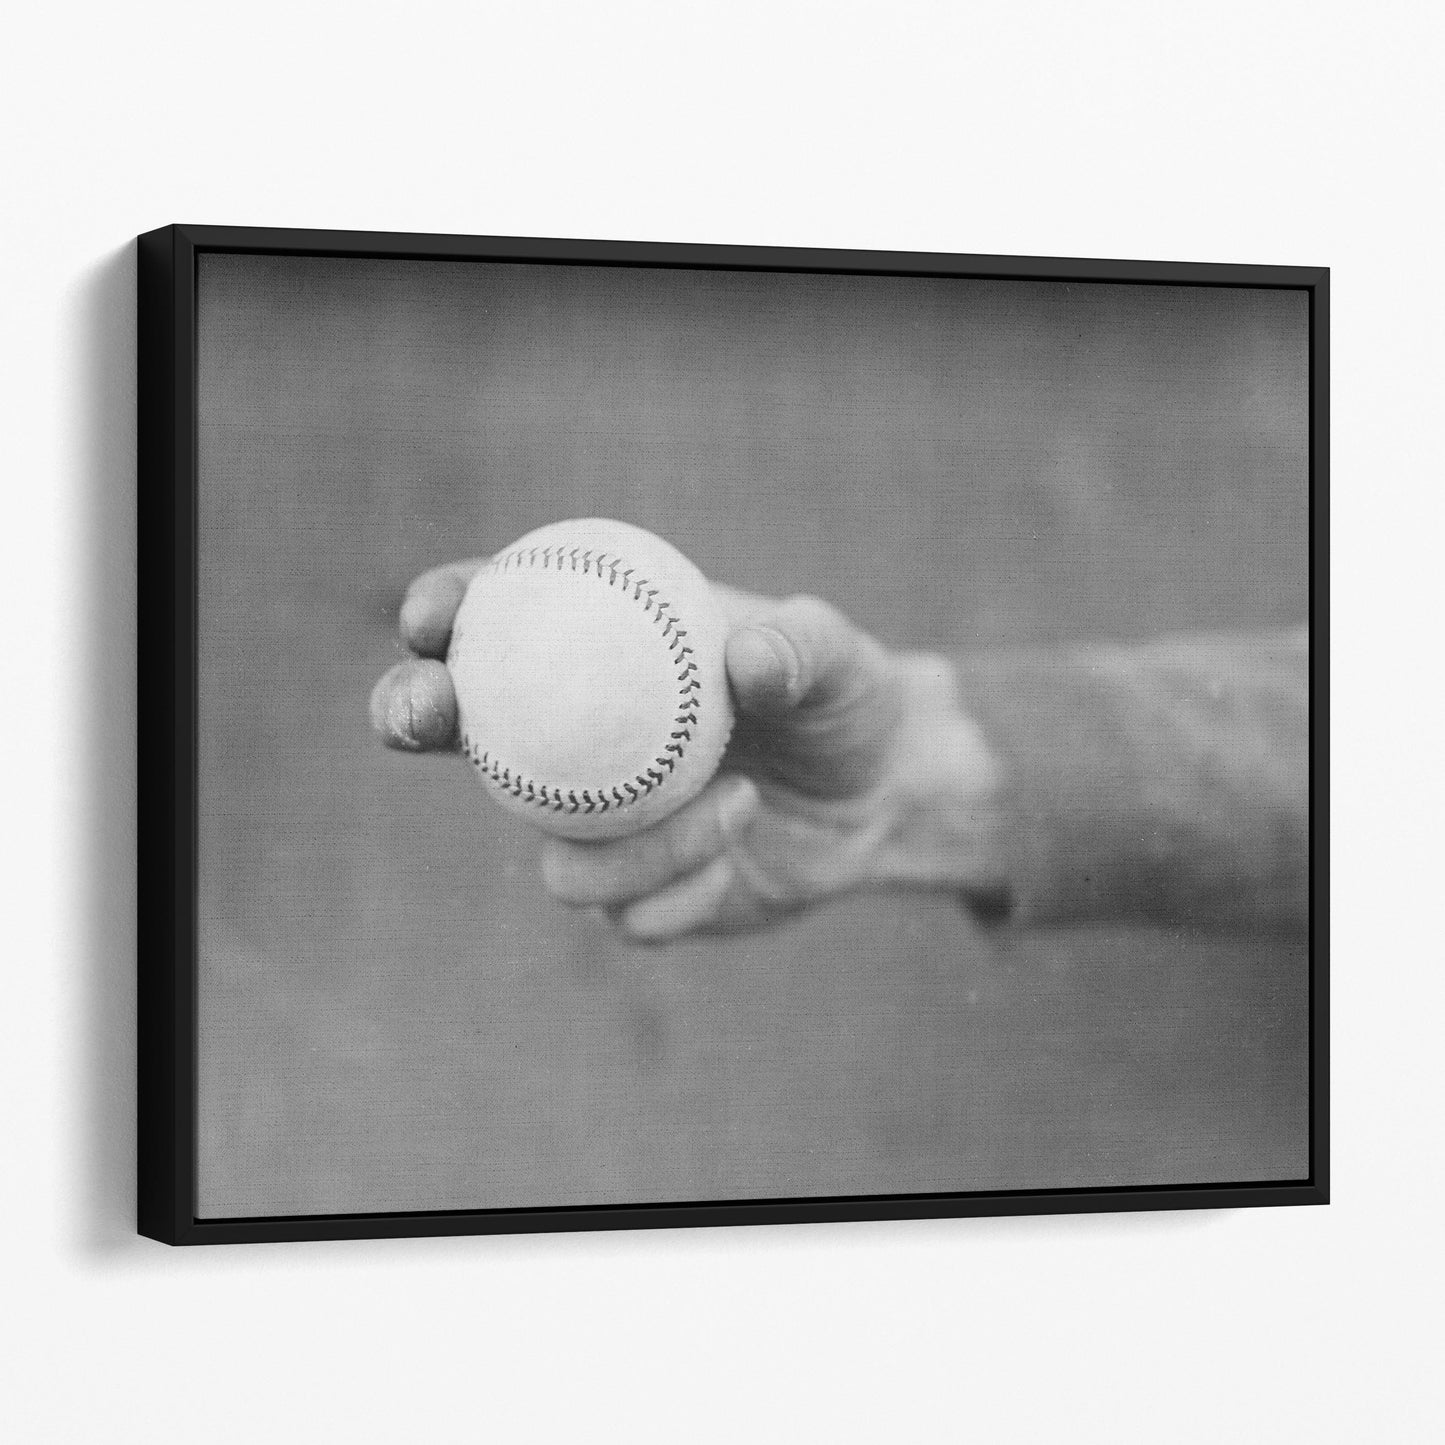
(655, 735)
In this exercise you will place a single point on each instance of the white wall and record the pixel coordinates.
(1273, 132)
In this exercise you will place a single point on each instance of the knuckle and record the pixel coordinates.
(637, 927)
(705, 837)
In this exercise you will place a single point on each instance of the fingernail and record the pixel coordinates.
(401, 717)
(782, 648)
(768, 666)
(377, 705)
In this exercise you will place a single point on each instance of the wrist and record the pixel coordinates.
(940, 798)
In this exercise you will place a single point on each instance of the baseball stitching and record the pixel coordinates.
(612, 569)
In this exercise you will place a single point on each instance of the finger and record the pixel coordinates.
(804, 653)
(431, 606)
(414, 708)
(624, 869)
(739, 607)
(691, 905)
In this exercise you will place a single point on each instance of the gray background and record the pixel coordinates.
(393, 1013)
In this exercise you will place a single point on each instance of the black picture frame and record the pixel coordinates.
(167, 762)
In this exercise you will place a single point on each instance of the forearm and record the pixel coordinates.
(1165, 782)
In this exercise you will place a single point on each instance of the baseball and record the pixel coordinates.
(587, 659)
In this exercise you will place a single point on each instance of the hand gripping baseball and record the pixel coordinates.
(588, 664)
(849, 765)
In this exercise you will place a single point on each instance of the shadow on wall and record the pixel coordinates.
(104, 713)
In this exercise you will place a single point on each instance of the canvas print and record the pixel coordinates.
(677, 733)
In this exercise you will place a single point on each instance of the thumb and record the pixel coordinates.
(816, 700)
(803, 655)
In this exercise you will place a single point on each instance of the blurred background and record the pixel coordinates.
(393, 1013)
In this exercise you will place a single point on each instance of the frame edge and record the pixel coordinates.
(164, 743)
(167, 558)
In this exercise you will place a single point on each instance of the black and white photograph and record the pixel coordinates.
(679, 733)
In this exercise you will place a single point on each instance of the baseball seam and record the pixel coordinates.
(608, 567)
